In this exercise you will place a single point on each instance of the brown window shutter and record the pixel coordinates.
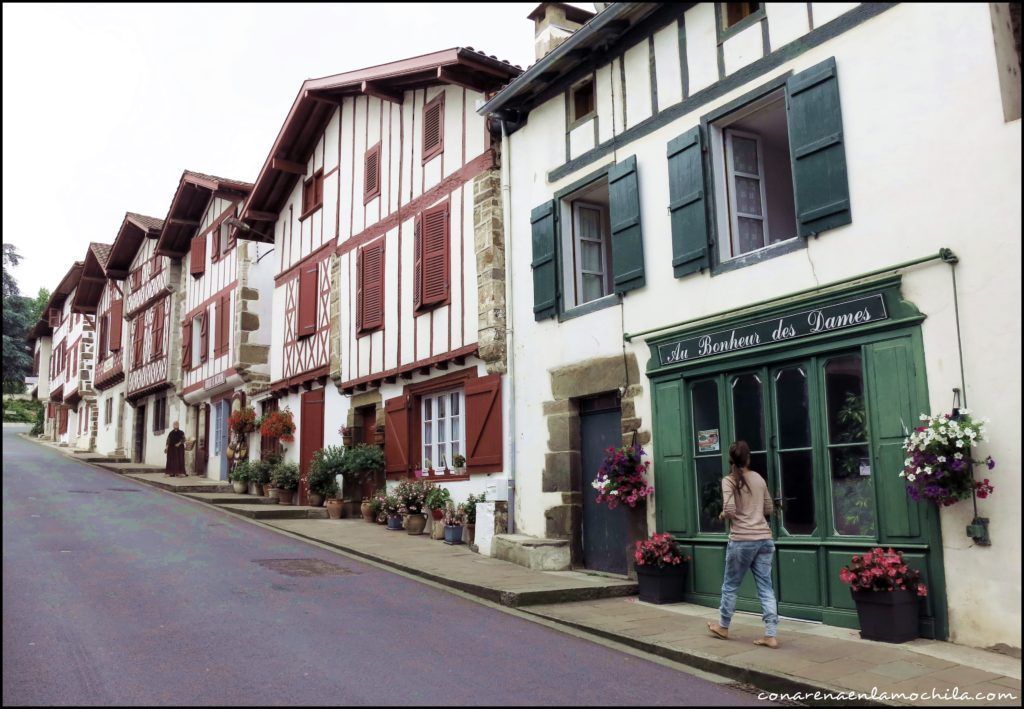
(215, 244)
(104, 332)
(417, 264)
(433, 127)
(359, 291)
(307, 195)
(224, 324)
(158, 331)
(198, 262)
(157, 265)
(306, 320)
(218, 326)
(138, 335)
(318, 188)
(483, 424)
(53, 317)
(371, 181)
(372, 277)
(186, 345)
(396, 434)
(204, 335)
(435, 255)
(116, 322)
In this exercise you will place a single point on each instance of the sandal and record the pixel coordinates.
(717, 632)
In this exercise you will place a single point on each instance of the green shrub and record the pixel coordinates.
(22, 410)
(241, 472)
(363, 461)
(438, 498)
(469, 507)
(37, 427)
(286, 476)
(261, 470)
(327, 463)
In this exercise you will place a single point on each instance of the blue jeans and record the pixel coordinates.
(757, 557)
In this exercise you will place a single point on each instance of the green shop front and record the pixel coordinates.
(824, 390)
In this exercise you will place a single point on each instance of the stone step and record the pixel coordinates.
(231, 498)
(98, 458)
(181, 484)
(276, 511)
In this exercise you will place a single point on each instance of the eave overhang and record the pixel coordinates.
(134, 229)
(195, 190)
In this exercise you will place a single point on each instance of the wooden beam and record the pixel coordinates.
(407, 375)
(260, 216)
(442, 365)
(450, 77)
(288, 166)
(391, 379)
(376, 90)
(182, 222)
(323, 98)
(459, 360)
(94, 279)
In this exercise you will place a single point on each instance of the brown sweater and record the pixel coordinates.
(747, 511)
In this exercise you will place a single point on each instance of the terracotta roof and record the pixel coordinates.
(195, 190)
(130, 235)
(101, 251)
(67, 284)
(144, 221)
(93, 279)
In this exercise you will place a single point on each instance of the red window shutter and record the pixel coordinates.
(215, 243)
(483, 424)
(224, 324)
(435, 255)
(306, 321)
(230, 236)
(186, 345)
(198, 259)
(204, 335)
(396, 434)
(371, 181)
(218, 326)
(157, 265)
(103, 328)
(54, 317)
(116, 323)
(372, 278)
(433, 127)
(158, 331)
(318, 188)
(138, 335)
(417, 265)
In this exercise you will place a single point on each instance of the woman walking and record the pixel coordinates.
(746, 504)
(175, 450)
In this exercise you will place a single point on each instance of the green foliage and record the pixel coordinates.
(37, 427)
(242, 472)
(853, 417)
(363, 461)
(261, 470)
(438, 498)
(459, 460)
(23, 411)
(326, 464)
(469, 507)
(36, 307)
(286, 476)
(18, 320)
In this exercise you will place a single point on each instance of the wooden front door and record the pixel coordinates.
(605, 531)
(311, 436)
(202, 437)
(367, 424)
(139, 448)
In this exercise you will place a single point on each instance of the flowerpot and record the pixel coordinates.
(437, 530)
(333, 506)
(887, 616)
(270, 491)
(404, 518)
(395, 523)
(381, 518)
(315, 500)
(239, 486)
(284, 497)
(415, 523)
(470, 533)
(366, 510)
(255, 488)
(453, 534)
(661, 585)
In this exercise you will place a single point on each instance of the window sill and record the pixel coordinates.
(590, 307)
(582, 120)
(751, 19)
(427, 157)
(749, 259)
(369, 331)
(306, 215)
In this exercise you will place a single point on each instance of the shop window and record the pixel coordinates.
(160, 415)
(587, 273)
(441, 417)
(795, 452)
(853, 496)
(754, 190)
(581, 101)
(707, 449)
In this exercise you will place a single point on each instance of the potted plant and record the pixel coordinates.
(279, 425)
(886, 592)
(327, 464)
(377, 501)
(469, 508)
(239, 476)
(428, 467)
(622, 477)
(260, 477)
(436, 500)
(459, 461)
(270, 487)
(411, 495)
(939, 463)
(286, 478)
(392, 510)
(454, 516)
(363, 462)
(660, 569)
(346, 435)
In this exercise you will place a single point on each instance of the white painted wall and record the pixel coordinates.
(927, 153)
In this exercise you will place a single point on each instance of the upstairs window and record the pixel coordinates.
(313, 193)
(104, 328)
(734, 12)
(431, 269)
(53, 317)
(135, 279)
(371, 174)
(433, 127)
(754, 194)
(370, 296)
(587, 274)
(306, 311)
(582, 101)
(156, 265)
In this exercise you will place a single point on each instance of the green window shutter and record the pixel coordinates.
(627, 237)
(816, 149)
(896, 399)
(545, 271)
(686, 203)
(670, 470)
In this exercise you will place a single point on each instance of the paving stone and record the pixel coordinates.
(900, 670)
(834, 668)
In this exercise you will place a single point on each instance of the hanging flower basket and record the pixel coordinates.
(938, 466)
(243, 421)
(278, 424)
(622, 477)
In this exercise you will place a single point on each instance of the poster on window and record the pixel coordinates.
(707, 441)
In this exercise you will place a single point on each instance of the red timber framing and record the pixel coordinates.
(482, 427)
(311, 436)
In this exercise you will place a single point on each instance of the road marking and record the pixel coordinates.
(35, 515)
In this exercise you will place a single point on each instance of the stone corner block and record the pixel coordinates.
(532, 552)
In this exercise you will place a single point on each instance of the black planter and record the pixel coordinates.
(661, 585)
(887, 616)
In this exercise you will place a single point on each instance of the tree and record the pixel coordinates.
(18, 320)
(39, 304)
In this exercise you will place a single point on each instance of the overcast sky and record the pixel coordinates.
(105, 105)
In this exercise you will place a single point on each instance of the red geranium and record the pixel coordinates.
(660, 551)
(881, 570)
(278, 424)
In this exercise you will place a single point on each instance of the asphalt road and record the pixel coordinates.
(118, 593)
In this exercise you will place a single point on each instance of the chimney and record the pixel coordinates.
(553, 23)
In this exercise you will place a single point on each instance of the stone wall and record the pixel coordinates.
(489, 240)
(248, 354)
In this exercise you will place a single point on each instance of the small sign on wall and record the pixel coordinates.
(215, 381)
(707, 441)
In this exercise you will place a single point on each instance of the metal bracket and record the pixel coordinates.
(978, 531)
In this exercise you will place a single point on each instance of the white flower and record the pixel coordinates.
(958, 456)
(911, 477)
(928, 470)
(970, 433)
(942, 429)
(903, 473)
(942, 459)
(924, 417)
(959, 443)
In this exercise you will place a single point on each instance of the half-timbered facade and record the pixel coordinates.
(70, 332)
(381, 197)
(223, 301)
(41, 337)
(727, 226)
(135, 330)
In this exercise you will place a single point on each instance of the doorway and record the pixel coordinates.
(366, 420)
(311, 436)
(202, 422)
(139, 448)
(605, 532)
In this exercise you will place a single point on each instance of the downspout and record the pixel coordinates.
(506, 219)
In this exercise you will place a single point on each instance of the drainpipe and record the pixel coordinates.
(506, 218)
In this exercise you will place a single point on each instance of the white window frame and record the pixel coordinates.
(197, 343)
(731, 174)
(449, 453)
(577, 250)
